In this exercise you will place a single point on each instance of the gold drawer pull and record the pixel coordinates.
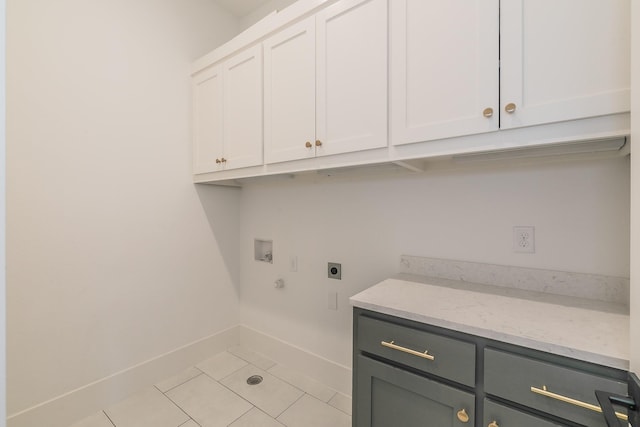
(544, 392)
(463, 416)
(308, 144)
(407, 350)
(493, 424)
(487, 112)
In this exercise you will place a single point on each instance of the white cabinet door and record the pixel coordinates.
(563, 59)
(242, 76)
(207, 120)
(289, 93)
(444, 68)
(351, 76)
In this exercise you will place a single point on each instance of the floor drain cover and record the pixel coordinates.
(254, 380)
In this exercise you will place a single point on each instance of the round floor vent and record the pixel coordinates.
(254, 380)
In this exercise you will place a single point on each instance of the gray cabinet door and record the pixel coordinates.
(388, 396)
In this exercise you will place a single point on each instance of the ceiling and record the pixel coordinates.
(241, 8)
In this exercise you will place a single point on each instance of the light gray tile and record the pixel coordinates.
(252, 357)
(148, 408)
(310, 412)
(272, 395)
(176, 380)
(342, 402)
(256, 418)
(207, 402)
(98, 419)
(303, 382)
(221, 365)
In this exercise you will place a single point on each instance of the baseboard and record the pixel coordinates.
(323, 370)
(64, 410)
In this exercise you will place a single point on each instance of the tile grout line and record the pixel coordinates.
(260, 355)
(337, 393)
(178, 406)
(182, 383)
(304, 393)
(334, 395)
(109, 418)
(244, 413)
(190, 419)
(296, 386)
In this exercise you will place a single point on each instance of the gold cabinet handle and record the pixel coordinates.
(493, 424)
(318, 143)
(218, 161)
(463, 416)
(308, 145)
(544, 392)
(223, 160)
(487, 112)
(407, 350)
(510, 108)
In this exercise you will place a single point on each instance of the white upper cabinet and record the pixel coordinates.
(326, 83)
(242, 76)
(444, 68)
(351, 103)
(563, 60)
(339, 83)
(558, 60)
(227, 113)
(208, 120)
(289, 93)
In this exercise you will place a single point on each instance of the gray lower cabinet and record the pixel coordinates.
(389, 396)
(409, 374)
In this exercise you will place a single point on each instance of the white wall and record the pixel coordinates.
(580, 211)
(635, 187)
(262, 11)
(112, 257)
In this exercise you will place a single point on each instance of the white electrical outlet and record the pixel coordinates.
(524, 239)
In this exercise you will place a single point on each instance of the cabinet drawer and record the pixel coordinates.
(446, 357)
(502, 416)
(514, 378)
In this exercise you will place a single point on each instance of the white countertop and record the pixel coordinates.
(581, 329)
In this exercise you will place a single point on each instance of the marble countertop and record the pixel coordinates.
(596, 332)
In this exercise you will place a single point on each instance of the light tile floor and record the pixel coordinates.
(215, 393)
